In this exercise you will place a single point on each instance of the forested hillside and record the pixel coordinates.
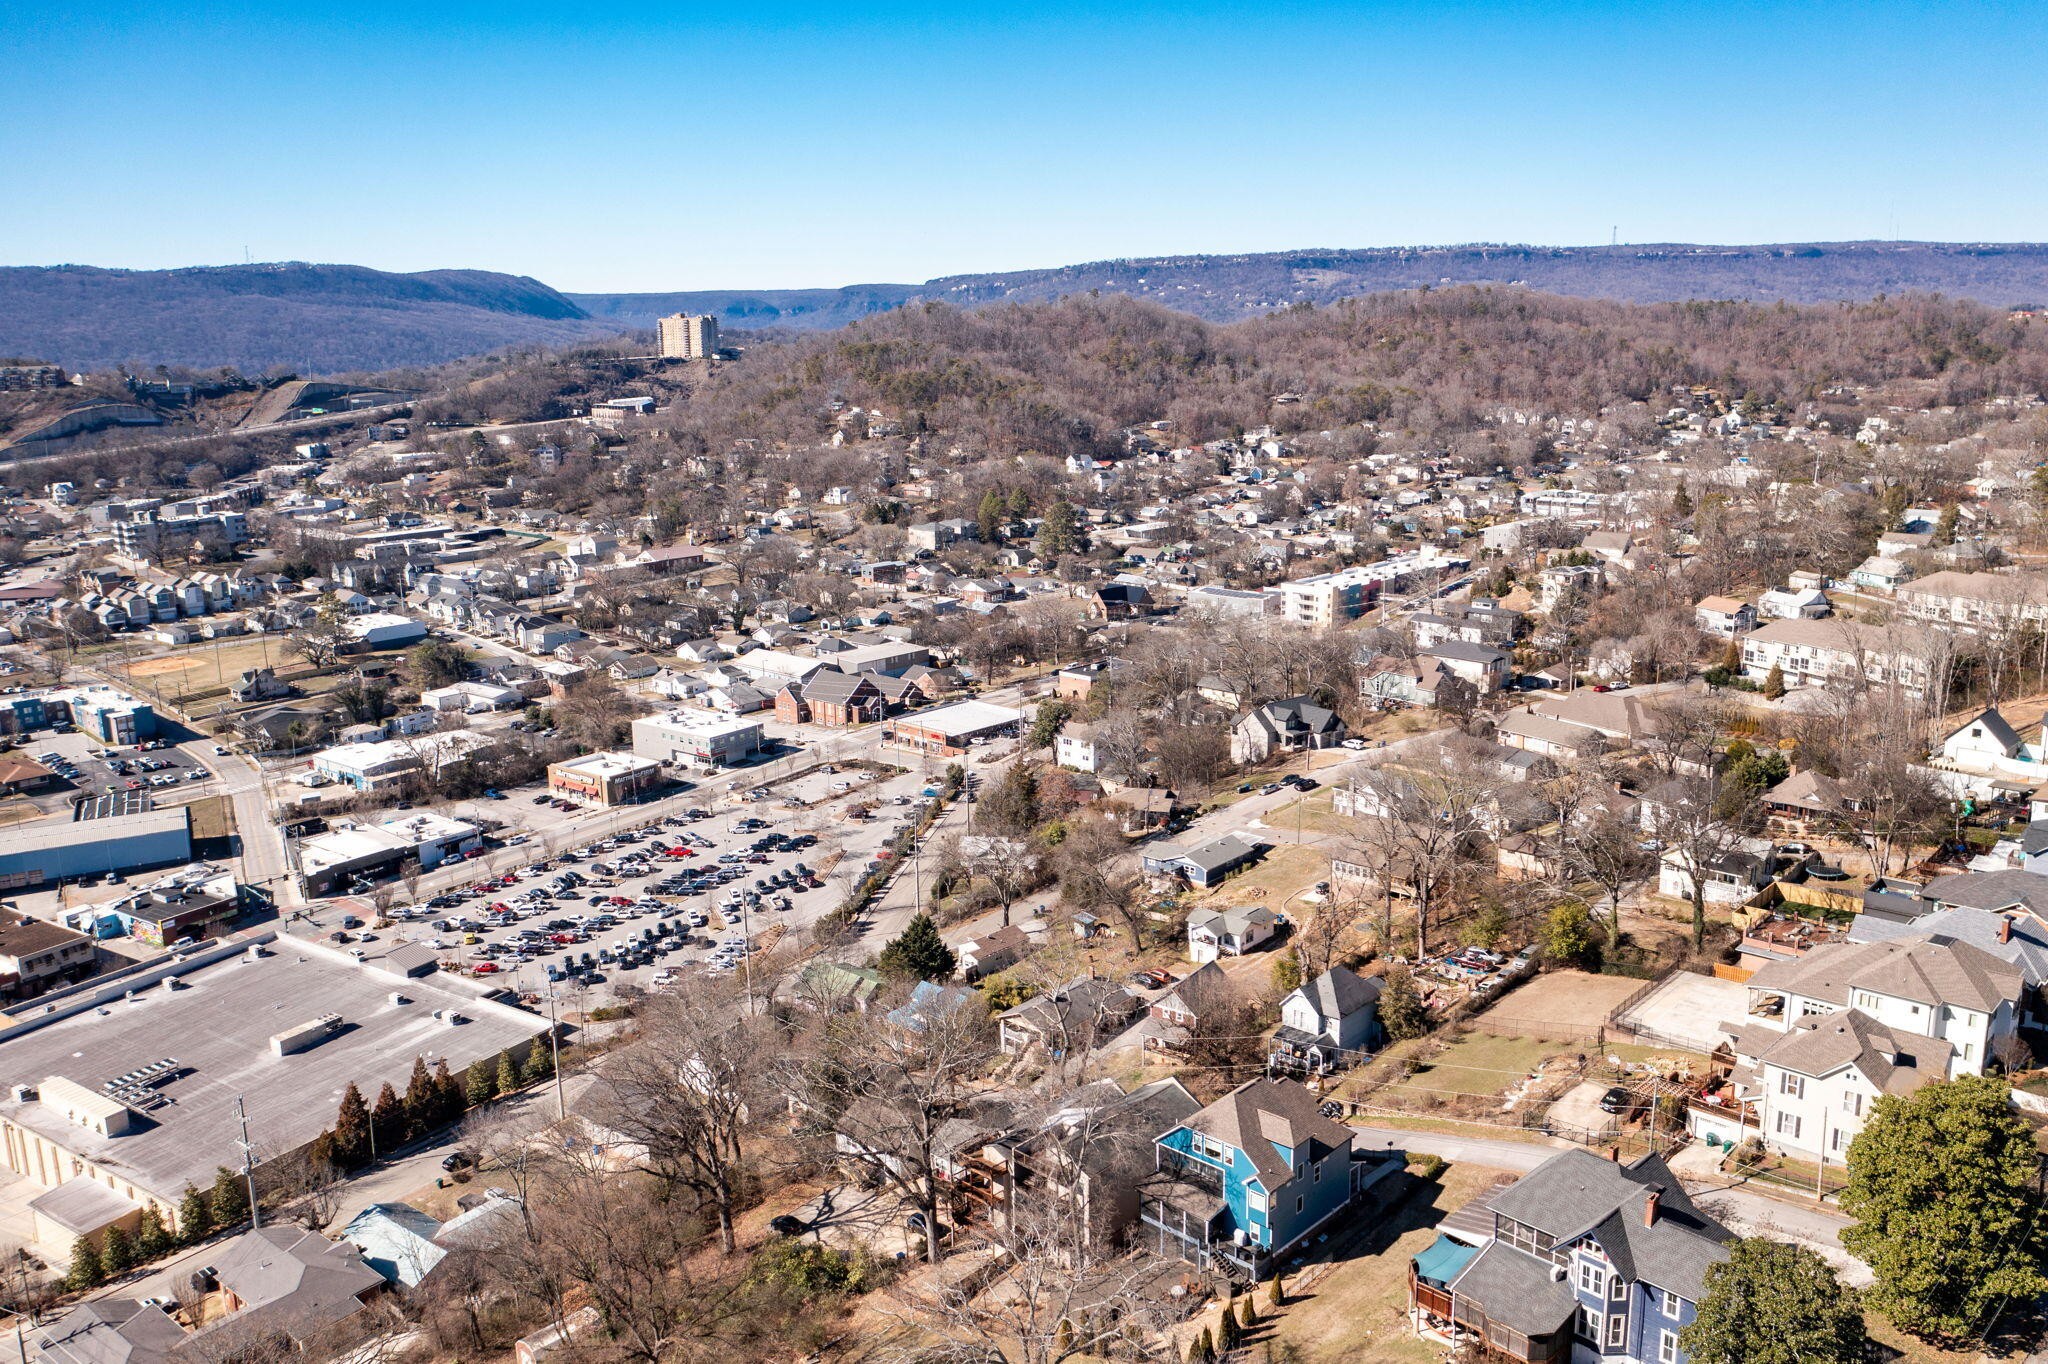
(315, 319)
(1227, 288)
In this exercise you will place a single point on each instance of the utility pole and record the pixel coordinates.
(555, 1050)
(248, 1164)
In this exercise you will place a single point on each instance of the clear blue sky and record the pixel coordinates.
(684, 145)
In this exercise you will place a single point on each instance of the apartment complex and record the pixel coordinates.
(688, 336)
(1328, 600)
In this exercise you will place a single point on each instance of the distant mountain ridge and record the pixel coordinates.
(1225, 288)
(318, 319)
(326, 319)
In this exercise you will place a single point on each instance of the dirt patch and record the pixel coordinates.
(159, 667)
(214, 818)
(1567, 998)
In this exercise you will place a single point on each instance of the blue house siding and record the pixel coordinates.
(1281, 1224)
(1644, 1304)
(1237, 1174)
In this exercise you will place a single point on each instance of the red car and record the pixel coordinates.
(620, 900)
(485, 968)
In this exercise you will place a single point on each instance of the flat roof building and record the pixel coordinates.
(688, 336)
(696, 739)
(53, 850)
(605, 779)
(950, 729)
(131, 1082)
(332, 858)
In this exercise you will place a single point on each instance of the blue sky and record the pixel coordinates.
(676, 146)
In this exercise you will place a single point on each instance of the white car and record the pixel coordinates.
(1354, 743)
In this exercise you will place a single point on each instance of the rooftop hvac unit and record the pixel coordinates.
(306, 1035)
(23, 1093)
(255, 952)
(397, 998)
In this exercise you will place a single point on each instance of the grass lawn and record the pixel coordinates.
(1313, 813)
(1481, 1064)
(1285, 869)
(1356, 1311)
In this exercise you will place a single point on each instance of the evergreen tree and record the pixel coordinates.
(422, 1100)
(1941, 1187)
(1063, 1339)
(481, 1084)
(1226, 1331)
(508, 1072)
(1945, 528)
(87, 1270)
(352, 1131)
(919, 953)
(988, 517)
(229, 1200)
(1205, 1347)
(1059, 532)
(1401, 1013)
(117, 1249)
(1019, 504)
(1276, 1292)
(1247, 1313)
(1731, 657)
(540, 1062)
(1681, 503)
(195, 1216)
(152, 1238)
(387, 1121)
(453, 1096)
(1774, 682)
(1773, 1303)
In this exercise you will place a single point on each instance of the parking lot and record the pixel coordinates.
(86, 767)
(696, 889)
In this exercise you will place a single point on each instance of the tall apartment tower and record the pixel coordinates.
(688, 336)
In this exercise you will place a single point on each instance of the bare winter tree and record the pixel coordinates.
(684, 1093)
(885, 1091)
(1695, 840)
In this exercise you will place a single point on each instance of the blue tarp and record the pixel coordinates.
(1443, 1261)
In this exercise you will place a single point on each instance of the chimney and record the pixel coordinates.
(1650, 1201)
(2005, 928)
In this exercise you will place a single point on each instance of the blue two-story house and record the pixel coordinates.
(1244, 1179)
(1586, 1261)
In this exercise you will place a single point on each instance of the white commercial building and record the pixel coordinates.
(686, 739)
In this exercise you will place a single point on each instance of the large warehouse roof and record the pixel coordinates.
(217, 1023)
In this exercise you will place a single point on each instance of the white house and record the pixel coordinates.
(1724, 616)
(1214, 933)
(1986, 746)
(1828, 1033)
(1074, 747)
(1328, 1022)
(1787, 603)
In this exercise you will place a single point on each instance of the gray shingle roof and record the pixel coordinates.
(1261, 1114)
(1896, 1062)
(2025, 946)
(1577, 1193)
(1517, 1291)
(1926, 970)
(1340, 992)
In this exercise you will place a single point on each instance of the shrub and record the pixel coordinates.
(1428, 1166)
